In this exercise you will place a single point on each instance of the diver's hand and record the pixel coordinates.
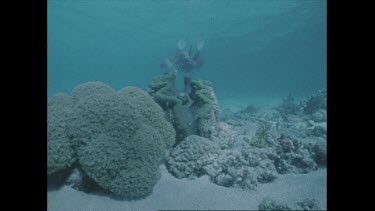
(181, 44)
(200, 44)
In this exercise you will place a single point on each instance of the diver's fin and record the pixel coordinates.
(181, 44)
(200, 44)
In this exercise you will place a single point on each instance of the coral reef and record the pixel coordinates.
(251, 146)
(192, 111)
(119, 137)
(222, 134)
(262, 135)
(270, 204)
(308, 204)
(152, 113)
(60, 152)
(318, 152)
(245, 161)
(316, 102)
(293, 157)
(189, 157)
(317, 129)
(115, 140)
(319, 116)
(163, 90)
(205, 105)
(242, 169)
(289, 106)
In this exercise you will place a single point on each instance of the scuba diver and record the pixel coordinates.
(183, 60)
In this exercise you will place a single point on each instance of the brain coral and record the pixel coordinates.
(60, 153)
(189, 157)
(126, 168)
(119, 137)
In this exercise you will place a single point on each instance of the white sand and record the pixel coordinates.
(172, 193)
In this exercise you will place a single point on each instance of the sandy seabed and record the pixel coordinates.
(173, 193)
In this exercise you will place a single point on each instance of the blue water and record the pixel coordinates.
(252, 48)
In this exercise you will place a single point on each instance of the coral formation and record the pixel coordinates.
(316, 102)
(239, 158)
(293, 157)
(60, 152)
(317, 129)
(190, 112)
(244, 168)
(319, 116)
(116, 140)
(318, 152)
(163, 90)
(205, 105)
(308, 204)
(289, 106)
(222, 134)
(270, 204)
(245, 162)
(262, 135)
(152, 113)
(119, 137)
(189, 157)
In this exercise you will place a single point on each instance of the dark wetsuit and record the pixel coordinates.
(187, 64)
(184, 62)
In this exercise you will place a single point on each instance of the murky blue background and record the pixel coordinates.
(253, 47)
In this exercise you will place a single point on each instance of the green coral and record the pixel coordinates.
(127, 168)
(316, 102)
(118, 137)
(60, 152)
(190, 113)
(181, 122)
(163, 90)
(205, 106)
(270, 204)
(151, 112)
(262, 135)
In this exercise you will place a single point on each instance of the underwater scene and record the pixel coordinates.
(186, 105)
